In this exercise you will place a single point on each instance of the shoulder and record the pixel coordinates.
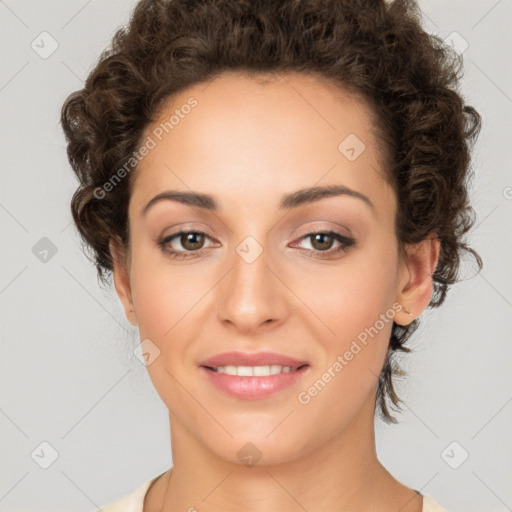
(132, 502)
(429, 505)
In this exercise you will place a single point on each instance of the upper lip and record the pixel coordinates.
(251, 359)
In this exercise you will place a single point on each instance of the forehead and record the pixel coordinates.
(261, 136)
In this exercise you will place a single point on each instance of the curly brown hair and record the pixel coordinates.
(375, 48)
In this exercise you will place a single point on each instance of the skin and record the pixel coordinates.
(247, 143)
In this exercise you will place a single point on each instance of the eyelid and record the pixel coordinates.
(187, 227)
(321, 227)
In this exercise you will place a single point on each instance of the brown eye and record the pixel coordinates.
(321, 241)
(184, 244)
(322, 244)
(192, 241)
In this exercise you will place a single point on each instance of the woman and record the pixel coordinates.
(278, 189)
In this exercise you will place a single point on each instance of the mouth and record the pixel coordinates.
(253, 376)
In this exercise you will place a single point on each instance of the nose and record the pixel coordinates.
(252, 297)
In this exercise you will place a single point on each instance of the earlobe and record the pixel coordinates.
(416, 294)
(122, 280)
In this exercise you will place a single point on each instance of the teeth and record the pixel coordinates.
(253, 371)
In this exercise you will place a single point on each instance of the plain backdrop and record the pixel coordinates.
(76, 399)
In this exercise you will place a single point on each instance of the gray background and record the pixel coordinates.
(68, 374)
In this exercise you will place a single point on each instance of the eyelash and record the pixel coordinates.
(345, 241)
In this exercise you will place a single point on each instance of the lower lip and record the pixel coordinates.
(253, 388)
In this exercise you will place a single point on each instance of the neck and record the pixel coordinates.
(342, 473)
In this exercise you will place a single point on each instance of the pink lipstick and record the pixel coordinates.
(253, 376)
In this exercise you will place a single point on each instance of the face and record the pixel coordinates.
(264, 268)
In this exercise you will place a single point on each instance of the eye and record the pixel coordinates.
(191, 242)
(323, 241)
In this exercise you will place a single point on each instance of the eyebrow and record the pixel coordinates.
(288, 201)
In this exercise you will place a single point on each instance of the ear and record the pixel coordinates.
(121, 276)
(416, 284)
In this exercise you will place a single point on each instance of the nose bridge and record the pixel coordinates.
(251, 294)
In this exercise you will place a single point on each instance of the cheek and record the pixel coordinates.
(351, 296)
(353, 320)
(164, 292)
(359, 319)
(167, 299)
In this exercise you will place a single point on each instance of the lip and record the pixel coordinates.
(253, 388)
(252, 359)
